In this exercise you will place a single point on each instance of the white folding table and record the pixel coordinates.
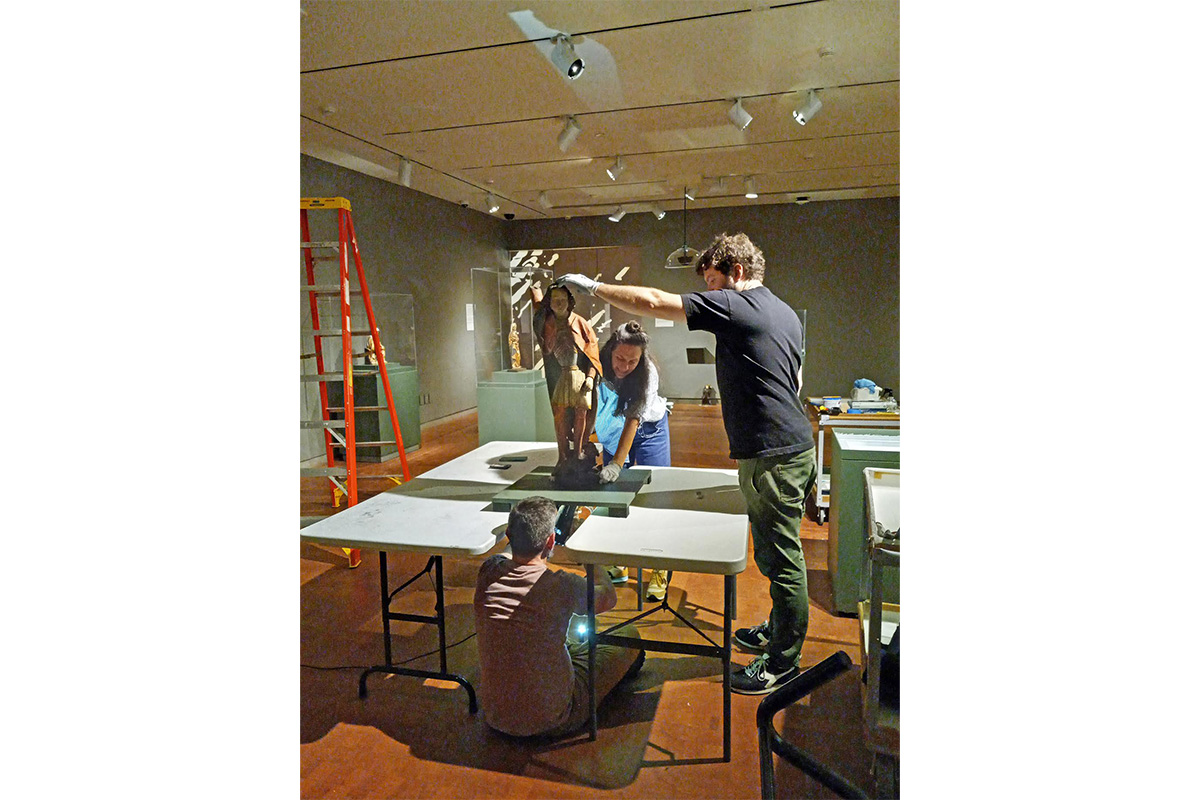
(444, 512)
(690, 520)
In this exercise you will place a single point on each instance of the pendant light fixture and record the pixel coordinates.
(685, 257)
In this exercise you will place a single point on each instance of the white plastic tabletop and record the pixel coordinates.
(691, 520)
(445, 511)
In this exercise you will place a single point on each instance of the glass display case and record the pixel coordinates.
(397, 335)
(393, 316)
(503, 319)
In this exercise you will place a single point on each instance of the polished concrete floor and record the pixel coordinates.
(659, 736)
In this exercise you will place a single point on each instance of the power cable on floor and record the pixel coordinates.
(398, 664)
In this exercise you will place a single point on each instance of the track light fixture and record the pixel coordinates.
(751, 189)
(690, 194)
(563, 56)
(812, 104)
(544, 201)
(616, 215)
(618, 166)
(570, 133)
(405, 172)
(493, 205)
(738, 115)
(657, 211)
(801, 199)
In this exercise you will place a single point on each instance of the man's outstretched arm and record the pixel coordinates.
(634, 299)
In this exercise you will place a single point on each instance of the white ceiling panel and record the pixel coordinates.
(467, 91)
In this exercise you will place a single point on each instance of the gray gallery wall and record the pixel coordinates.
(839, 260)
(412, 243)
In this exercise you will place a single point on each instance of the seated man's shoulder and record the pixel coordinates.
(494, 564)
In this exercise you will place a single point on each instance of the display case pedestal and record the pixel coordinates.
(376, 426)
(515, 406)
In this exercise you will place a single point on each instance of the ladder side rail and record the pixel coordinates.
(383, 373)
(347, 359)
(322, 387)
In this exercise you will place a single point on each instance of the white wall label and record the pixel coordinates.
(659, 322)
(470, 317)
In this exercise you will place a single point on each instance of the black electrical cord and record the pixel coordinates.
(398, 664)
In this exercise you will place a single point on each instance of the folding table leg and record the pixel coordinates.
(730, 589)
(591, 609)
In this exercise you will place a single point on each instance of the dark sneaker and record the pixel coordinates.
(755, 638)
(757, 678)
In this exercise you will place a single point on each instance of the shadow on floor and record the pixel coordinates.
(820, 726)
(341, 626)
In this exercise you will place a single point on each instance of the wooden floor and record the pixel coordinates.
(660, 737)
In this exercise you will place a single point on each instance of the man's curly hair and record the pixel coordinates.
(726, 250)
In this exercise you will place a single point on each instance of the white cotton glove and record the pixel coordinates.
(609, 472)
(578, 283)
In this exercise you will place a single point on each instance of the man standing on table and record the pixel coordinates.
(758, 374)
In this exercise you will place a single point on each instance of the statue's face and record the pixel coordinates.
(560, 301)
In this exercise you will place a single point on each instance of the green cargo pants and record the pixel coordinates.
(775, 488)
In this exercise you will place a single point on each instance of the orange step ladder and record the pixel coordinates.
(342, 430)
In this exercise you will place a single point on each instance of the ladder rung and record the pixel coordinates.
(319, 245)
(323, 423)
(327, 288)
(307, 355)
(337, 376)
(335, 332)
(370, 408)
(373, 444)
(325, 472)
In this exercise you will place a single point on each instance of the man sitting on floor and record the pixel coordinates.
(535, 681)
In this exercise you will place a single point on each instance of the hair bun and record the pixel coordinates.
(633, 326)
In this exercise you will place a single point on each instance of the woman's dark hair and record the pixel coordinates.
(631, 392)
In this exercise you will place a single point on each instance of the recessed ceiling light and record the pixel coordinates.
(616, 215)
(544, 201)
(751, 188)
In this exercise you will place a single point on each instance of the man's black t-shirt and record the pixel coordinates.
(758, 366)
